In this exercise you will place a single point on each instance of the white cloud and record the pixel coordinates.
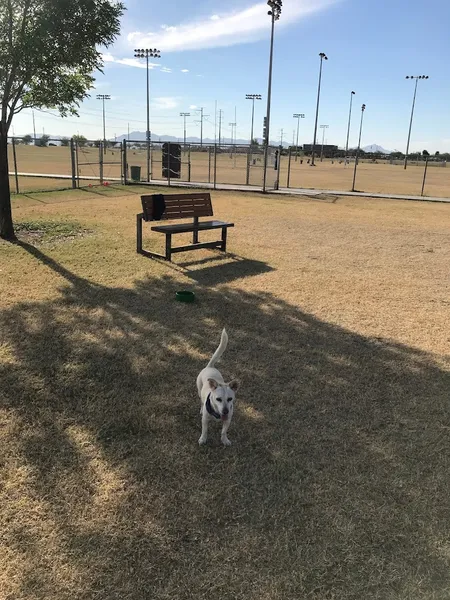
(237, 27)
(185, 70)
(129, 62)
(164, 103)
(193, 107)
(166, 70)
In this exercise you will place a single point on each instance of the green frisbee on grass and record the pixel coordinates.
(185, 296)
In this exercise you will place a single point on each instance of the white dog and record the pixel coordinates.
(217, 397)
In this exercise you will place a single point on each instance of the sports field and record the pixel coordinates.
(232, 169)
(336, 486)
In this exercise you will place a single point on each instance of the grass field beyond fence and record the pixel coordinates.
(336, 486)
(228, 167)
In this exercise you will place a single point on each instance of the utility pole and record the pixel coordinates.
(202, 117)
(323, 57)
(416, 77)
(34, 128)
(274, 13)
(104, 97)
(184, 115)
(220, 126)
(148, 53)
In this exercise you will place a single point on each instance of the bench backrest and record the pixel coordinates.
(179, 206)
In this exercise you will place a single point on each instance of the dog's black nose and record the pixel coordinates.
(226, 411)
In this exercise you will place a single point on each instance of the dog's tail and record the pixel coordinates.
(220, 350)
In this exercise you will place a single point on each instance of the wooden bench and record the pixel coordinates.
(181, 206)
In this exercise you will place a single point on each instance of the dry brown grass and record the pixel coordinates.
(372, 178)
(336, 486)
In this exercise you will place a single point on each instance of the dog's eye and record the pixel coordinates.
(230, 399)
(219, 399)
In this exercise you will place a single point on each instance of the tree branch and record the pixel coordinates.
(15, 55)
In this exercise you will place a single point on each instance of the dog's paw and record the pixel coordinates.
(226, 441)
(202, 441)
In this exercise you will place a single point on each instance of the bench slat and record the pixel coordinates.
(188, 227)
(180, 206)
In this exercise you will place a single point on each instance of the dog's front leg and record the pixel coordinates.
(223, 435)
(205, 422)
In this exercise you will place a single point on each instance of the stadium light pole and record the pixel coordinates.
(298, 116)
(323, 57)
(348, 129)
(323, 127)
(253, 97)
(416, 77)
(104, 97)
(275, 13)
(148, 53)
(363, 108)
(184, 115)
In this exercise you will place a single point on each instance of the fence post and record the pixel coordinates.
(209, 164)
(424, 175)
(289, 168)
(189, 163)
(15, 164)
(72, 160)
(249, 150)
(277, 182)
(168, 163)
(78, 164)
(124, 163)
(100, 161)
(215, 165)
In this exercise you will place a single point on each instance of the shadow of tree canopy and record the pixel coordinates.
(336, 485)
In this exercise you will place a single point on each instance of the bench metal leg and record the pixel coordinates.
(224, 239)
(139, 219)
(168, 246)
(195, 233)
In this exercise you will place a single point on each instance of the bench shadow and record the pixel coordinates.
(224, 269)
(336, 485)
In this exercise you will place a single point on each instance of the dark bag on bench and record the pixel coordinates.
(159, 206)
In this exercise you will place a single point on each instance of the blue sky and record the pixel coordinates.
(212, 50)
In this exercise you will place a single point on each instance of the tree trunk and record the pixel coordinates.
(6, 223)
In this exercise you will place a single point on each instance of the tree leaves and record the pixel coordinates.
(49, 50)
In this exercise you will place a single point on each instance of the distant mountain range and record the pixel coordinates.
(375, 148)
(139, 136)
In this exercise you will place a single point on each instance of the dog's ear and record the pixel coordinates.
(234, 385)
(213, 384)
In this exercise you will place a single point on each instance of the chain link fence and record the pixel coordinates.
(48, 164)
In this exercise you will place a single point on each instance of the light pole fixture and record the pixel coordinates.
(323, 57)
(363, 108)
(184, 115)
(253, 97)
(348, 130)
(416, 77)
(274, 13)
(148, 53)
(104, 97)
(298, 116)
(323, 127)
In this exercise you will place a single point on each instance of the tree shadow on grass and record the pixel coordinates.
(336, 485)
